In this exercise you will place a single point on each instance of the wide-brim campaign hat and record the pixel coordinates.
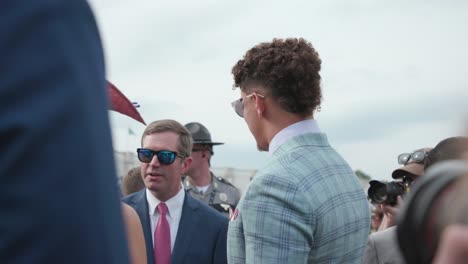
(200, 135)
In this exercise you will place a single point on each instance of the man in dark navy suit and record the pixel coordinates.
(177, 228)
(58, 203)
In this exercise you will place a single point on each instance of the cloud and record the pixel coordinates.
(394, 73)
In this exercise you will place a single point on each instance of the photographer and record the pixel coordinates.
(388, 195)
(437, 203)
(382, 246)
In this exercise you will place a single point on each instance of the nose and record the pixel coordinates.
(155, 161)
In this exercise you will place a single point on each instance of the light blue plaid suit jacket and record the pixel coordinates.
(304, 206)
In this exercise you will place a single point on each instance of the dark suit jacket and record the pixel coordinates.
(202, 233)
(58, 199)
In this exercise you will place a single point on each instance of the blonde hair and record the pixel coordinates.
(184, 146)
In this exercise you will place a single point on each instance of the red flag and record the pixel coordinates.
(120, 103)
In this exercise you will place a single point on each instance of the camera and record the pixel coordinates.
(437, 201)
(386, 192)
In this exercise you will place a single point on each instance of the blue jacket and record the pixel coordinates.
(201, 237)
(58, 199)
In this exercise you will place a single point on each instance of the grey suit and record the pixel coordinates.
(382, 248)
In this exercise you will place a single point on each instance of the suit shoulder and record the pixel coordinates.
(209, 213)
(224, 181)
(387, 234)
(132, 198)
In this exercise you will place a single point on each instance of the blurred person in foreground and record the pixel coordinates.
(435, 203)
(305, 205)
(135, 237)
(200, 182)
(453, 242)
(177, 227)
(57, 200)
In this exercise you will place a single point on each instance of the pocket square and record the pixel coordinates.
(233, 214)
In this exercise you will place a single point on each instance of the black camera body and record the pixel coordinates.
(386, 192)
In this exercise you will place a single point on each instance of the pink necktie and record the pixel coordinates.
(162, 237)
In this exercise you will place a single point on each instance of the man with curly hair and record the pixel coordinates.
(306, 204)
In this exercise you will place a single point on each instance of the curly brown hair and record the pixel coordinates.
(288, 69)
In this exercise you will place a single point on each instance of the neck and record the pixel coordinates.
(201, 177)
(163, 197)
(281, 121)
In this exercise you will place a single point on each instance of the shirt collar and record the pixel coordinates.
(174, 204)
(296, 129)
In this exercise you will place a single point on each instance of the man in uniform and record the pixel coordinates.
(200, 182)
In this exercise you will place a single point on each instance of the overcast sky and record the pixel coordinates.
(394, 73)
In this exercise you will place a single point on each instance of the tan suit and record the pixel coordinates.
(382, 248)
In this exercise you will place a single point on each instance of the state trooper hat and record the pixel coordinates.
(200, 134)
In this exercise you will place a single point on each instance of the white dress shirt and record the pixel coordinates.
(296, 129)
(173, 215)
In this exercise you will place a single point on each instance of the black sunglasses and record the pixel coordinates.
(165, 157)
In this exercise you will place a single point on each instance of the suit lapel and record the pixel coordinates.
(141, 206)
(188, 223)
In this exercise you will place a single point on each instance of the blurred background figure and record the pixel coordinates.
(57, 198)
(132, 182)
(200, 182)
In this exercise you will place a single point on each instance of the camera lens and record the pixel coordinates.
(385, 193)
(377, 192)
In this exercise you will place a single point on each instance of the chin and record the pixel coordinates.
(262, 147)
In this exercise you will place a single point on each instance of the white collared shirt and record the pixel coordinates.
(296, 129)
(173, 215)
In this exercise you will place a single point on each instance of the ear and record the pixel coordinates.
(186, 164)
(260, 105)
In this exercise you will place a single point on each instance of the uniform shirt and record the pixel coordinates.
(173, 215)
(221, 195)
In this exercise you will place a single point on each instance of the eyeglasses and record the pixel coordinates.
(165, 157)
(238, 104)
(415, 157)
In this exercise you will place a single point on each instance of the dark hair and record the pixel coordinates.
(447, 149)
(289, 71)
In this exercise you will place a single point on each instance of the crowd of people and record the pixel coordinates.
(304, 205)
